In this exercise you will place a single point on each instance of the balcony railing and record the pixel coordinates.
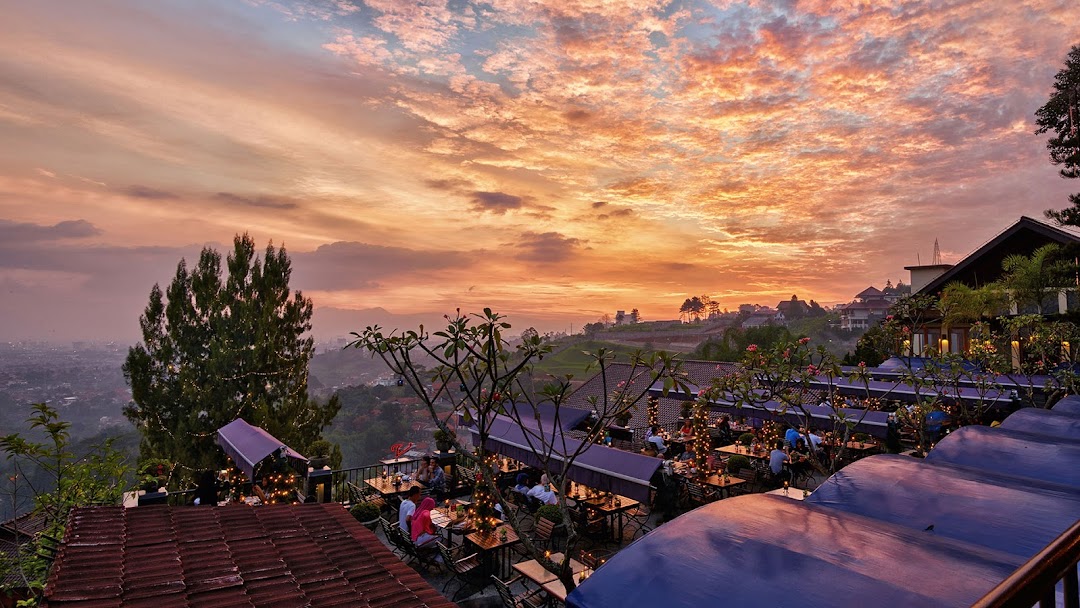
(1036, 580)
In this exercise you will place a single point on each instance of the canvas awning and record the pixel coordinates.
(597, 466)
(1044, 422)
(901, 391)
(821, 417)
(1011, 453)
(773, 551)
(988, 510)
(1068, 405)
(249, 445)
(547, 415)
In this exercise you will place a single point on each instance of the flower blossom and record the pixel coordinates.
(804, 340)
(752, 348)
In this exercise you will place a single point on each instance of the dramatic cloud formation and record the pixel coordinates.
(554, 159)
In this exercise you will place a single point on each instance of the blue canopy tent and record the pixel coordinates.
(1011, 453)
(820, 416)
(962, 504)
(249, 445)
(1044, 422)
(773, 551)
(597, 466)
(548, 415)
(901, 391)
(1068, 405)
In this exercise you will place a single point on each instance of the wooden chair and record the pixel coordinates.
(638, 521)
(529, 599)
(544, 533)
(589, 526)
(699, 495)
(466, 569)
(404, 546)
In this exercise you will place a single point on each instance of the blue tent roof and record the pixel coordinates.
(546, 415)
(1044, 422)
(962, 504)
(773, 551)
(597, 466)
(1011, 453)
(249, 445)
(1068, 405)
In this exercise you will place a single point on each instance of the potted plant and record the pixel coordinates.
(737, 463)
(443, 440)
(319, 452)
(367, 513)
(550, 513)
(860, 438)
(687, 409)
(747, 439)
(623, 417)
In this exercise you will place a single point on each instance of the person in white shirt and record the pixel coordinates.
(544, 494)
(407, 508)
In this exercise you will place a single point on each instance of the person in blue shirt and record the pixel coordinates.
(792, 436)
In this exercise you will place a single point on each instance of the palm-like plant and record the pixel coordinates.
(1030, 278)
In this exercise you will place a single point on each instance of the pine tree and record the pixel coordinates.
(219, 348)
(1061, 115)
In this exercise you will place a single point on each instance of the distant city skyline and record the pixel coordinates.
(555, 160)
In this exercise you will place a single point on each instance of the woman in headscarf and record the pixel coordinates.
(423, 531)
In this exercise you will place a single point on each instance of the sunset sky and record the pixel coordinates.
(552, 159)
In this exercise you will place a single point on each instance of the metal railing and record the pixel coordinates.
(1036, 580)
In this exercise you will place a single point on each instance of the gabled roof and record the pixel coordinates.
(983, 266)
(870, 292)
(232, 556)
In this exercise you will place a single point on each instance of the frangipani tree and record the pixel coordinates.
(493, 379)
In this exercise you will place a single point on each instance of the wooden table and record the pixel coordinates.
(724, 484)
(557, 590)
(792, 493)
(742, 451)
(396, 461)
(453, 525)
(613, 510)
(491, 543)
(535, 572)
(386, 488)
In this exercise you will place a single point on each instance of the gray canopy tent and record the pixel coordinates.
(249, 445)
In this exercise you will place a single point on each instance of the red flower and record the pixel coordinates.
(752, 348)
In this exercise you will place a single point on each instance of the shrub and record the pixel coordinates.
(550, 512)
(860, 437)
(365, 511)
(746, 438)
(737, 463)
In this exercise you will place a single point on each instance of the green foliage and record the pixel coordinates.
(738, 462)
(1059, 116)
(1033, 281)
(746, 438)
(551, 513)
(365, 511)
(215, 348)
(96, 476)
(733, 343)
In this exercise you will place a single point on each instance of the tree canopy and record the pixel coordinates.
(1060, 115)
(215, 348)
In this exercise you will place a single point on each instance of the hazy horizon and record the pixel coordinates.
(553, 160)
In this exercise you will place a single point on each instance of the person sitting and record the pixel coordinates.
(777, 459)
(408, 509)
(723, 430)
(544, 494)
(522, 483)
(423, 530)
(686, 430)
(657, 441)
(423, 474)
(792, 435)
(438, 481)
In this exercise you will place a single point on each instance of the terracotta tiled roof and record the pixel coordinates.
(225, 557)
